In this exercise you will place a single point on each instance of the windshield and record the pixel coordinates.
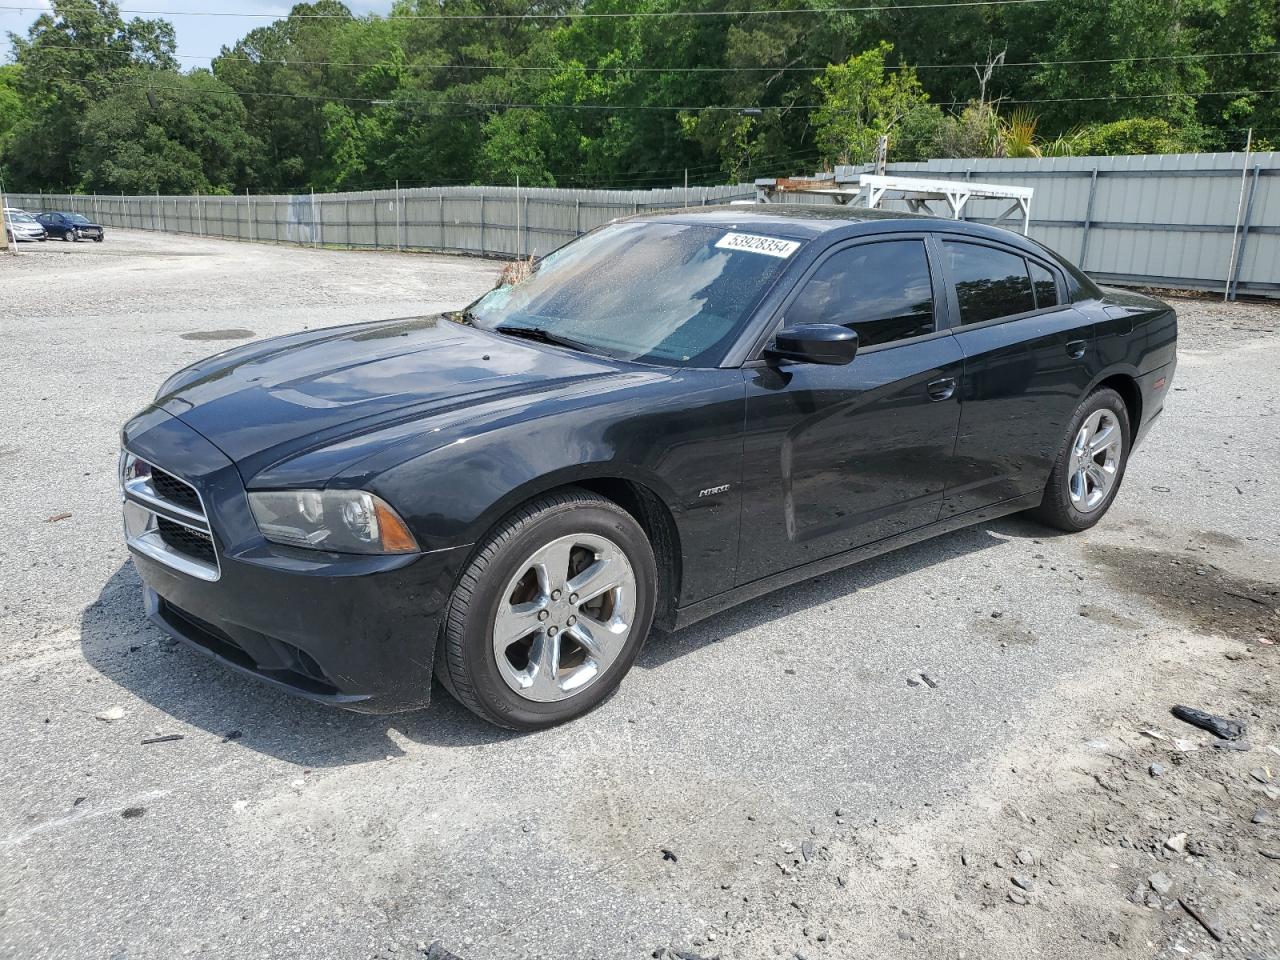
(21, 218)
(76, 218)
(666, 293)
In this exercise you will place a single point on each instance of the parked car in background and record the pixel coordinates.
(71, 227)
(22, 226)
(670, 415)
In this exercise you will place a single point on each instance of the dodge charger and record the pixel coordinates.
(668, 416)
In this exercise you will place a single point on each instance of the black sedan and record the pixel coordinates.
(671, 415)
(71, 226)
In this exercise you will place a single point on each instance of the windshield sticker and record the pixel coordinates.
(751, 243)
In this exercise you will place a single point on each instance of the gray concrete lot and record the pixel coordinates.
(815, 803)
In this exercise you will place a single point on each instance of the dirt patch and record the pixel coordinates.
(1007, 629)
(1193, 591)
(1091, 839)
(232, 334)
(1109, 617)
(1214, 538)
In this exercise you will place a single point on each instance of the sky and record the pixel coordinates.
(199, 37)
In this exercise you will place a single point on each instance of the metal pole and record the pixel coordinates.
(517, 214)
(1088, 217)
(315, 236)
(577, 215)
(1244, 179)
(248, 205)
(4, 231)
(399, 245)
(1244, 231)
(482, 249)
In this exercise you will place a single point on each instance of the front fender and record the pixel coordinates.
(679, 436)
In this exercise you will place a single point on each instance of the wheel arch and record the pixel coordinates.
(659, 525)
(1126, 385)
(639, 499)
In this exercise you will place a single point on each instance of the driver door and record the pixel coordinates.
(840, 456)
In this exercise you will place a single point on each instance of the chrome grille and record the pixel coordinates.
(164, 519)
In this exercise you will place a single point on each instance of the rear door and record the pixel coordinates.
(1028, 358)
(840, 456)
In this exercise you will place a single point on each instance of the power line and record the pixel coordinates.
(521, 68)
(617, 15)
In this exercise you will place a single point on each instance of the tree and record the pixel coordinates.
(167, 133)
(72, 57)
(13, 109)
(862, 101)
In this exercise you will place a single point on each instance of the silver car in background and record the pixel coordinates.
(22, 226)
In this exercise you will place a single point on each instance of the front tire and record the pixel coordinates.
(69, 236)
(550, 613)
(1090, 466)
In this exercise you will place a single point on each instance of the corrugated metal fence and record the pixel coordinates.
(1167, 220)
(490, 221)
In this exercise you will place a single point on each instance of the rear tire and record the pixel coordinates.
(1090, 466)
(521, 646)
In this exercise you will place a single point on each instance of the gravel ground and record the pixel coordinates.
(813, 801)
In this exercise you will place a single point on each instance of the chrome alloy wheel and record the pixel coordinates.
(564, 617)
(1095, 460)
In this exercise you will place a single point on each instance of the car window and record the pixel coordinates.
(881, 290)
(989, 283)
(1046, 286)
(670, 293)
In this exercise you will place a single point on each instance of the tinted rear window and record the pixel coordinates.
(989, 283)
(1045, 284)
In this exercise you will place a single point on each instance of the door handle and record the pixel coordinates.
(1076, 348)
(942, 389)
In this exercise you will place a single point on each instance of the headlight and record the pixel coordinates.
(344, 521)
(131, 468)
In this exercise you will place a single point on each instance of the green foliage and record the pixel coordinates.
(427, 95)
(1135, 135)
(74, 56)
(13, 114)
(975, 132)
(166, 132)
(861, 102)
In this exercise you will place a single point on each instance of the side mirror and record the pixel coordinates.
(815, 343)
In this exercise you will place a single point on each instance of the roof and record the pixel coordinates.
(799, 220)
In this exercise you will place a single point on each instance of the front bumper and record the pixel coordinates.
(352, 631)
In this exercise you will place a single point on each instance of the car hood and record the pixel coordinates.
(271, 400)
